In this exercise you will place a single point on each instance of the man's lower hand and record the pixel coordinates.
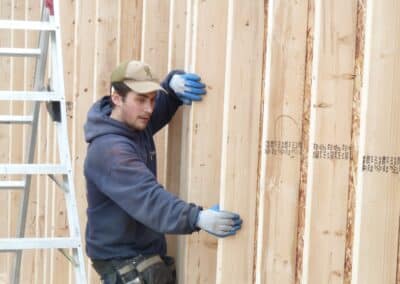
(188, 87)
(219, 223)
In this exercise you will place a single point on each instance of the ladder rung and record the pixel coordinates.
(14, 244)
(32, 169)
(22, 52)
(12, 184)
(27, 25)
(17, 119)
(29, 96)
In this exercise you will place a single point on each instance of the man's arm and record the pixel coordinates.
(131, 185)
(182, 88)
(166, 105)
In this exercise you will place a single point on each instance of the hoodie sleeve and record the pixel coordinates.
(166, 105)
(135, 189)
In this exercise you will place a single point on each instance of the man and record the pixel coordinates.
(128, 210)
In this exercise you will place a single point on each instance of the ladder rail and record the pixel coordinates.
(49, 37)
(39, 73)
(72, 209)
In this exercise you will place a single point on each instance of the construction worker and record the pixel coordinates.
(128, 210)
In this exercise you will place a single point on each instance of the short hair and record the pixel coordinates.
(121, 89)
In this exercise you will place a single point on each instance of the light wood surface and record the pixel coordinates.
(245, 145)
(281, 143)
(240, 137)
(376, 237)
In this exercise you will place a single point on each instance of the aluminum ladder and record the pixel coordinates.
(61, 174)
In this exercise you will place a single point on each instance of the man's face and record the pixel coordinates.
(135, 110)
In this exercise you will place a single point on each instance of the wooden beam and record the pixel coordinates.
(155, 53)
(241, 137)
(130, 33)
(84, 96)
(378, 196)
(207, 58)
(285, 72)
(177, 141)
(330, 139)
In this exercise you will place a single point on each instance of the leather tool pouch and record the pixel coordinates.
(146, 270)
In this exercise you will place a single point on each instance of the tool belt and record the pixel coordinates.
(139, 270)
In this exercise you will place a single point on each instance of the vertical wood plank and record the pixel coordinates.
(207, 60)
(330, 139)
(84, 97)
(281, 149)
(130, 29)
(106, 45)
(175, 139)
(378, 196)
(155, 53)
(241, 136)
(355, 137)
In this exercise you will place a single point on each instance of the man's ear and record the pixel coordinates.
(116, 98)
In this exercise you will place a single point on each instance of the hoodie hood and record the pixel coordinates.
(100, 123)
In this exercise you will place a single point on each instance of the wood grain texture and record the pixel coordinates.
(84, 96)
(176, 138)
(330, 138)
(209, 34)
(283, 123)
(130, 41)
(378, 207)
(355, 137)
(155, 53)
(207, 144)
(241, 136)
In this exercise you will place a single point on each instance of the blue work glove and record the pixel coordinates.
(219, 223)
(187, 87)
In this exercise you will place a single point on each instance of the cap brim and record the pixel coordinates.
(144, 87)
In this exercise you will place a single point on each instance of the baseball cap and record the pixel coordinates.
(136, 75)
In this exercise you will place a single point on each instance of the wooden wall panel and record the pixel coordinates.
(281, 143)
(228, 43)
(155, 53)
(241, 135)
(207, 60)
(130, 31)
(178, 128)
(106, 45)
(84, 96)
(176, 134)
(330, 138)
(376, 237)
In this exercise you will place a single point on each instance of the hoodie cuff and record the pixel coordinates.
(193, 216)
(165, 84)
